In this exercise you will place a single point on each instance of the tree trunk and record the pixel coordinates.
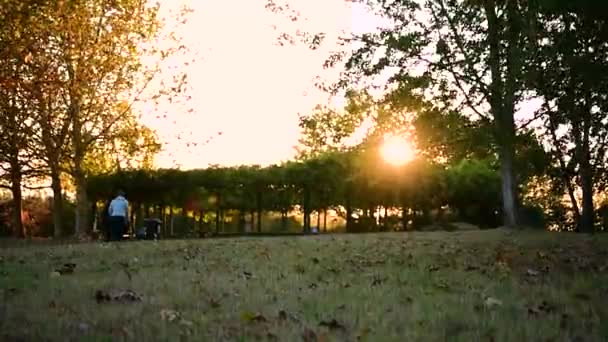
(94, 215)
(171, 221)
(325, 220)
(404, 217)
(259, 209)
(251, 220)
(306, 210)
(564, 170)
(581, 126)
(284, 220)
(502, 106)
(218, 216)
(82, 205)
(385, 218)
(57, 202)
(349, 209)
(318, 220)
(201, 214)
(17, 203)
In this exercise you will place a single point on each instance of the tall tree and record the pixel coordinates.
(570, 69)
(15, 112)
(472, 51)
(101, 49)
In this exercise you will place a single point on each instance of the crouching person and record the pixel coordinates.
(118, 216)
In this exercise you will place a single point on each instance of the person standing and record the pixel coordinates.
(118, 216)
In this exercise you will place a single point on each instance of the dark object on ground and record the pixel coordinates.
(117, 296)
(150, 230)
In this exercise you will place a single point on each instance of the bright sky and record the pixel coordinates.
(245, 85)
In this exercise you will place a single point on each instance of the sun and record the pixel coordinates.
(396, 150)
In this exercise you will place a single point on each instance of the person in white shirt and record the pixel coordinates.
(118, 216)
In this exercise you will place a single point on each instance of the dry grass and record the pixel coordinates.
(462, 286)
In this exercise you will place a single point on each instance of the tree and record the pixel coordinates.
(469, 52)
(16, 127)
(569, 69)
(101, 49)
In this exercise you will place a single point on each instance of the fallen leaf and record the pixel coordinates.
(117, 295)
(249, 316)
(333, 324)
(169, 315)
(492, 302)
(214, 303)
(55, 274)
(442, 285)
(122, 331)
(363, 333)
(433, 268)
(309, 336)
(247, 275)
(11, 291)
(186, 323)
(84, 328)
(541, 255)
(532, 273)
(315, 260)
(66, 269)
(563, 323)
(378, 280)
(282, 315)
(582, 296)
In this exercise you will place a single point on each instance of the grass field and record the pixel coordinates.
(461, 286)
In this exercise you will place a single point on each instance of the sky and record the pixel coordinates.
(244, 84)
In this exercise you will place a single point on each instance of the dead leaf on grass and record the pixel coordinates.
(541, 255)
(433, 268)
(333, 270)
(309, 335)
(10, 292)
(315, 260)
(442, 285)
(59, 308)
(532, 272)
(332, 324)
(214, 303)
(66, 269)
(55, 274)
(248, 275)
(543, 308)
(492, 302)
(377, 280)
(122, 332)
(169, 315)
(469, 268)
(582, 296)
(123, 296)
(249, 316)
(186, 323)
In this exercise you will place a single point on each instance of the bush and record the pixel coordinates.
(532, 216)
